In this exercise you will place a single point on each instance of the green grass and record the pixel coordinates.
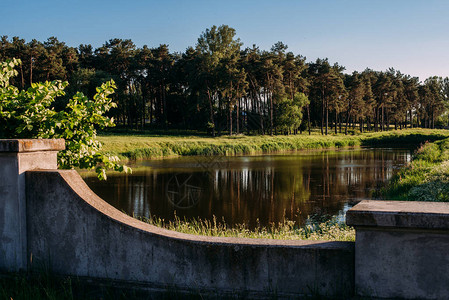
(149, 146)
(426, 178)
(286, 230)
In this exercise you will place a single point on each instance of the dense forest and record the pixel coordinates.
(222, 88)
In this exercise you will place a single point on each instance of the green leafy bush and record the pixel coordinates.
(30, 114)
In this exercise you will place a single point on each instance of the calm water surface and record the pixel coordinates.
(252, 189)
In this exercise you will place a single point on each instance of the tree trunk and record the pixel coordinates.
(220, 116)
(376, 119)
(271, 114)
(143, 111)
(327, 116)
(230, 120)
(247, 115)
(322, 112)
(151, 111)
(347, 123)
(433, 119)
(388, 122)
(259, 101)
(308, 117)
(382, 128)
(237, 125)
(163, 105)
(336, 117)
(211, 112)
(339, 122)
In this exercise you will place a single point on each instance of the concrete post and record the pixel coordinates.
(401, 249)
(16, 157)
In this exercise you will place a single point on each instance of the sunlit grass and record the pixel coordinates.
(426, 178)
(143, 146)
(330, 230)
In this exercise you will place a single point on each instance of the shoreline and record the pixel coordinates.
(131, 148)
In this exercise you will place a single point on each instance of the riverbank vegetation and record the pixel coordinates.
(426, 178)
(221, 87)
(331, 230)
(141, 145)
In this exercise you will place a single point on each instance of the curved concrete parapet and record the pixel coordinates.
(72, 231)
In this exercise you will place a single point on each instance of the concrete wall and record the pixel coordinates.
(401, 249)
(51, 219)
(16, 157)
(71, 231)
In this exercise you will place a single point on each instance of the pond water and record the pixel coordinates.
(252, 189)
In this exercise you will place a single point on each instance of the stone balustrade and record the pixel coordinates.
(50, 218)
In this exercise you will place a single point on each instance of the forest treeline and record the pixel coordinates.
(220, 87)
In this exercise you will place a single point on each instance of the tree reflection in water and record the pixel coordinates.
(252, 189)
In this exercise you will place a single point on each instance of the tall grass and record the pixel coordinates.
(156, 146)
(286, 230)
(426, 178)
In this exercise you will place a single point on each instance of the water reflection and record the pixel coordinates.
(252, 189)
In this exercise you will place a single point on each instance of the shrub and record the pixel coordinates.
(30, 114)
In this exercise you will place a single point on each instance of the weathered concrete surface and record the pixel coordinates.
(72, 231)
(400, 214)
(402, 264)
(401, 249)
(16, 157)
(31, 145)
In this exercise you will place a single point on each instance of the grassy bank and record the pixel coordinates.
(426, 178)
(286, 230)
(142, 146)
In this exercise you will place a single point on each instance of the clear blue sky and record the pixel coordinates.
(408, 35)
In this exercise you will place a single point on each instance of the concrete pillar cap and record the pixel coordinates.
(31, 145)
(400, 214)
